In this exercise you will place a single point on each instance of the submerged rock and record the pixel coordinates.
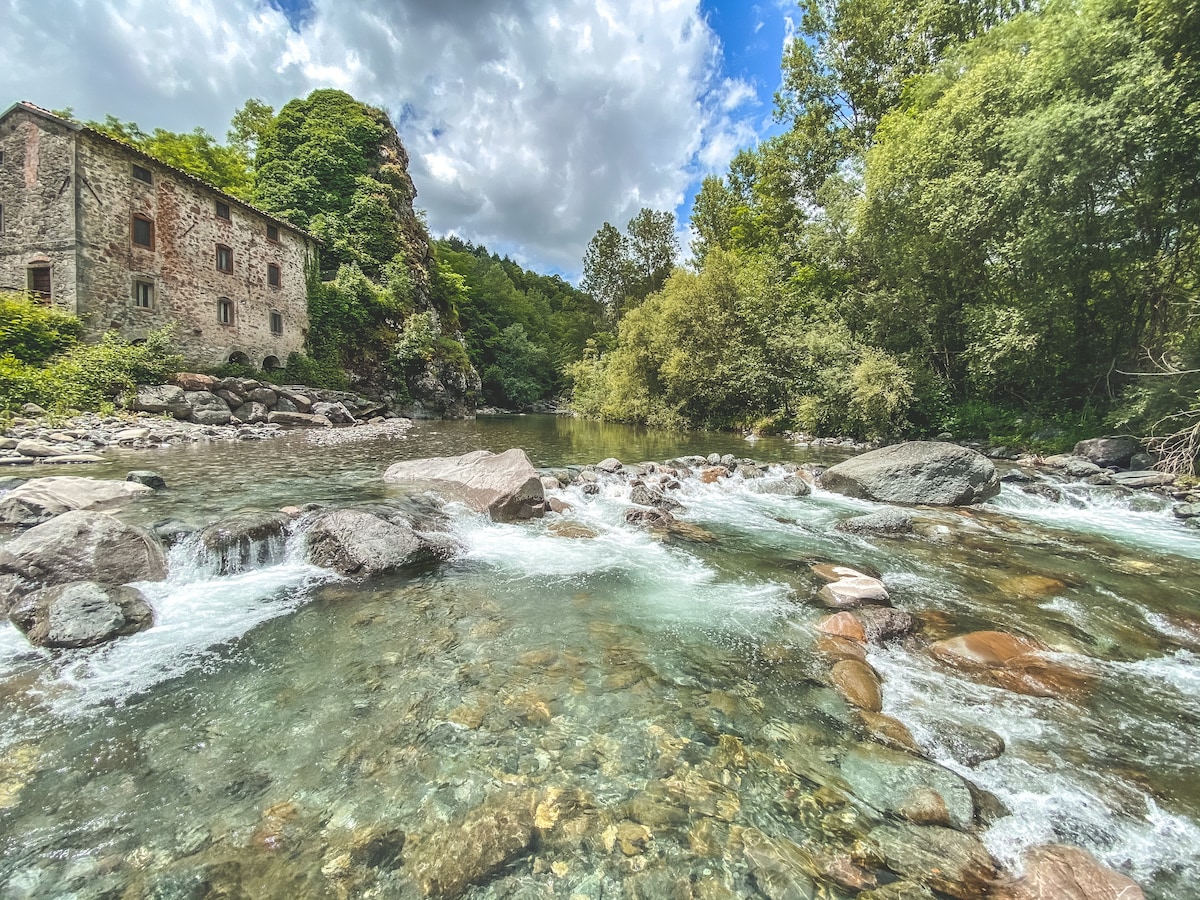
(504, 485)
(968, 745)
(1067, 873)
(152, 480)
(852, 592)
(916, 472)
(81, 614)
(42, 499)
(945, 860)
(858, 683)
(78, 546)
(885, 521)
(1014, 663)
(900, 784)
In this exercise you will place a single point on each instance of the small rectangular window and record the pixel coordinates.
(223, 211)
(143, 295)
(224, 258)
(273, 233)
(276, 323)
(274, 277)
(39, 282)
(225, 311)
(143, 232)
(141, 173)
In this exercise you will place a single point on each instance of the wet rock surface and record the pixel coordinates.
(42, 499)
(358, 544)
(504, 485)
(917, 472)
(81, 614)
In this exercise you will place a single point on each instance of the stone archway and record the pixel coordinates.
(271, 363)
(238, 358)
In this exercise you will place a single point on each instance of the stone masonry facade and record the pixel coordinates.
(130, 244)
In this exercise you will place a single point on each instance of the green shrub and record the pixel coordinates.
(31, 333)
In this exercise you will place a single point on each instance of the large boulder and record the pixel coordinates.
(334, 412)
(360, 544)
(161, 398)
(1109, 451)
(304, 420)
(78, 546)
(42, 499)
(81, 614)
(1067, 873)
(505, 485)
(207, 408)
(917, 472)
(247, 539)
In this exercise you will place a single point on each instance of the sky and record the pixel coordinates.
(529, 123)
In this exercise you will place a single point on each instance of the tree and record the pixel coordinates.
(606, 269)
(652, 248)
(249, 124)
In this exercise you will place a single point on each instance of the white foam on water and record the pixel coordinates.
(1042, 777)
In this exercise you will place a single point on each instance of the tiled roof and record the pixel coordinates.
(154, 160)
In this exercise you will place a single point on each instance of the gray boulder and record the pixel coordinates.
(1109, 451)
(152, 480)
(505, 485)
(251, 538)
(251, 413)
(899, 784)
(916, 472)
(334, 412)
(304, 420)
(78, 546)
(884, 521)
(42, 499)
(81, 614)
(263, 395)
(161, 398)
(207, 408)
(787, 486)
(611, 465)
(359, 544)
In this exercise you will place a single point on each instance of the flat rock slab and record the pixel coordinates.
(917, 472)
(42, 499)
(504, 485)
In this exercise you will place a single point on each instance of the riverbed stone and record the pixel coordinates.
(39, 449)
(778, 865)
(1109, 451)
(1014, 663)
(152, 480)
(1058, 872)
(78, 545)
(916, 472)
(457, 855)
(832, 572)
(858, 683)
(159, 399)
(610, 466)
(885, 521)
(787, 486)
(902, 785)
(244, 539)
(968, 745)
(41, 499)
(81, 614)
(251, 413)
(1081, 467)
(334, 412)
(504, 485)
(843, 624)
(358, 544)
(853, 592)
(1142, 479)
(885, 623)
(299, 419)
(207, 408)
(944, 859)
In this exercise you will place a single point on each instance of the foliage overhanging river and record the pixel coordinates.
(279, 732)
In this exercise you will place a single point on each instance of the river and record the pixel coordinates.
(281, 732)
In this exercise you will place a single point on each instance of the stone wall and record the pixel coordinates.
(70, 199)
(38, 199)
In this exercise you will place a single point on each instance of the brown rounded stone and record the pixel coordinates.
(834, 647)
(843, 624)
(890, 732)
(713, 474)
(1014, 663)
(858, 683)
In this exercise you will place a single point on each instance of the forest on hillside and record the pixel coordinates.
(981, 218)
(977, 217)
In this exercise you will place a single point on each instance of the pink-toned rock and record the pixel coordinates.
(843, 624)
(713, 474)
(191, 381)
(857, 682)
(1014, 663)
(849, 593)
(834, 648)
(1056, 872)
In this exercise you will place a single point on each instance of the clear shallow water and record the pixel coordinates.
(274, 719)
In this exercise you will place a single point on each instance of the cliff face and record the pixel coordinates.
(338, 168)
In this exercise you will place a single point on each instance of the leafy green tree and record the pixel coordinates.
(607, 274)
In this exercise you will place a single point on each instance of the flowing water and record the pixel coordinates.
(656, 702)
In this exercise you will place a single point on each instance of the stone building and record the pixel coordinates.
(129, 244)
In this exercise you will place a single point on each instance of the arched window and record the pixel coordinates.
(271, 363)
(238, 358)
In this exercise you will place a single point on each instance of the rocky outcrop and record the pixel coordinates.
(42, 499)
(1056, 872)
(78, 546)
(504, 485)
(917, 472)
(360, 545)
(81, 614)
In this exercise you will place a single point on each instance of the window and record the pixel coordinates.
(39, 281)
(141, 173)
(223, 211)
(143, 232)
(274, 277)
(224, 258)
(143, 294)
(225, 311)
(276, 323)
(273, 233)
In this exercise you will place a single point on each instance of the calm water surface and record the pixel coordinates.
(655, 705)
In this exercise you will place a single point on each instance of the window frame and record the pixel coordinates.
(136, 170)
(228, 215)
(44, 297)
(273, 317)
(229, 252)
(272, 233)
(226, 312)
(136, 294)
(134, 219)
(274, 269)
